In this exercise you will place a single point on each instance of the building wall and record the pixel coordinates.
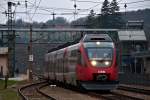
(3, 65)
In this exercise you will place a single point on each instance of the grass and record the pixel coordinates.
(9, 93)
(10, 83)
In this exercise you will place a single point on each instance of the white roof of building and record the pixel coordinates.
(131, 35)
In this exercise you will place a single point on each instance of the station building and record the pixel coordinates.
(3, 61)
(131, 42)
(135, 54)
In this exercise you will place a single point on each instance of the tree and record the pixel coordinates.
(105, 10)
(114, 7)
(90, 22)
(19, 23)
(58, 21)
(104, 18)
(116, 20)
(110, 16)
(79, 23)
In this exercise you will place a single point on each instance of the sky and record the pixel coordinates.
(43, 9)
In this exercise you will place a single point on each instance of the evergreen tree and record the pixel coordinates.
(116, 20)
(110, 16)
(103, 19)
(91, 20)
(114, 7)
(105, 10)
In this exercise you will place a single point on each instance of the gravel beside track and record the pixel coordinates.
(65, 94)
(60, 93)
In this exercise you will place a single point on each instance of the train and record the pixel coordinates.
(91, 63)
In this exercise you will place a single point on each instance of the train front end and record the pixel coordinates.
(98, 69)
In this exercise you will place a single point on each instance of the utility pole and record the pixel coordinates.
(53, 19)
(11, 39)
(11, 43)
(30, 53)
(30, 72)
(125, 6)
(75, 7)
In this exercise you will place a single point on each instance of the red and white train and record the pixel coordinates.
(91, 63)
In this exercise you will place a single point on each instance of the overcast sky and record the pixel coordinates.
(62, 8)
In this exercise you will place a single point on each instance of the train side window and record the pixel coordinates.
(80, 59)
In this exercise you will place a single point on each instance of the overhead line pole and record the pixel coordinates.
(30, 71)
(11, 43)
(30, 53)
(53, 19)
(75, 7)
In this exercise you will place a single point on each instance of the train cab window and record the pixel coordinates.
(100, 57)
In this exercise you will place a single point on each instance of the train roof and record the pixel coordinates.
(97, 37)
(63, 46)
(86, 38)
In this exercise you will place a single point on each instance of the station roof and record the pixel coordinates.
(126, 35)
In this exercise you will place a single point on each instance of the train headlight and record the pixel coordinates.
(107, 63)
(94, 63)
(98, 43)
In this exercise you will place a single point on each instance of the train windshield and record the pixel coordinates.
(101, 57)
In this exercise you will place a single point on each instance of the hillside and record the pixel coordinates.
(139, 15)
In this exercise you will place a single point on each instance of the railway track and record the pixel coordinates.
(113, 96)
(135, 89)
(125, 93)
(33, 92)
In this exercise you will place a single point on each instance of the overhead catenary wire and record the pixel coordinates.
(53, 8)
(119, 1)
(36, 9)
(135, 2)
(70, 17)
(69, 11)
(60, 13)
(1, 5)
(89, 1)
(80, 10)
(49, 13)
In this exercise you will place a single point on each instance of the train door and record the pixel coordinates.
(67, 67)
(72, 63)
